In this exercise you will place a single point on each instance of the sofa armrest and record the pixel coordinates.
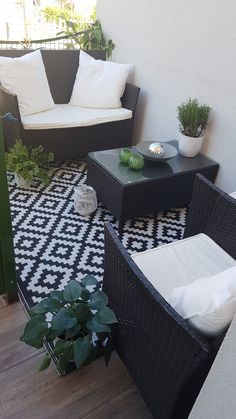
(130, 97)
(11, 129)
(162, 353)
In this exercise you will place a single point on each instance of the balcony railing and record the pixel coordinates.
(59, 42)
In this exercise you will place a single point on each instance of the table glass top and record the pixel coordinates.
(109, 160)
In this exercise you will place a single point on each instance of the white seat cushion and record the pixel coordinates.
(66, 116)
(26, 77)
(182, 262)
(99, 84)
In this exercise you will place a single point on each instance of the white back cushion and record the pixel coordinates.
(26, 77)
(99, 84)
(208, 304)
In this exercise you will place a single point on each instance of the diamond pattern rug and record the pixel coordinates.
(54, 244)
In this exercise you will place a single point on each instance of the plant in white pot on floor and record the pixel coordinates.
(28, 163)
(193, 119)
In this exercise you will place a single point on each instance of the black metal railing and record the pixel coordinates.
(59, 42)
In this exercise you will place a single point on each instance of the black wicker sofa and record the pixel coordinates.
(167, 359)
(61, 67)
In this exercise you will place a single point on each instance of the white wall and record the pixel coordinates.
(180, 49)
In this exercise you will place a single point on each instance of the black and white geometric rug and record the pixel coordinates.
(54, 244)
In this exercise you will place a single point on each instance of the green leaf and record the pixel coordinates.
(106, 316)
(95, 326)
(72, 291)
(65, 358)
(82, 349)
(88, 280)
(64, 319)
(48, 305)
(92, 356)
(34, 331)
(51, 335)
(44, 363)
(74, 331)
(56, 295)
(83, 312)
(85, 295)
(98, 300)
(60, 347)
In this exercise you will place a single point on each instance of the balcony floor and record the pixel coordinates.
(93, 392)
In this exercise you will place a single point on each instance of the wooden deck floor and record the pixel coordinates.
(94, 392)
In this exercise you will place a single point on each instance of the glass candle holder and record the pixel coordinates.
(136, 162)
(125, 155)
(85, 199)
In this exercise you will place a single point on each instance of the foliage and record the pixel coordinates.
(29, 162)
(78, 324)
(73, 30)
(55, 14)
(193, 118)
(94, 38)
(91, 38)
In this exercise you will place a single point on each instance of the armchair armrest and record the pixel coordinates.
(204, 197)
(11, 129)
(130, 97)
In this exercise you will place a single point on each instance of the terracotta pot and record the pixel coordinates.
(189, 146)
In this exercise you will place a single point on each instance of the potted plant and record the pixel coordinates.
(28, 162)
(193, 119)
(76, 322)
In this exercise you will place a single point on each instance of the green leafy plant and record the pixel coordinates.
(29, 162)
(76, 321)
(91, 38)
(193, 118)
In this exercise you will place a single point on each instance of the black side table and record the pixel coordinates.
(129, 194)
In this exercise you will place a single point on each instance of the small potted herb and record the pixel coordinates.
(76, 322)
(193, 119)
(28, 163)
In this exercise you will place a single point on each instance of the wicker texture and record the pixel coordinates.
(166, 358)
(212, 212)
(61, 67)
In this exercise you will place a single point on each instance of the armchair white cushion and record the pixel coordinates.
(25, 77)
(182, 263)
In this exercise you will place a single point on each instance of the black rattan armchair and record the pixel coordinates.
(166, 358)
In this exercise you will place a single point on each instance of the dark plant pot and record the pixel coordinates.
(99, 351)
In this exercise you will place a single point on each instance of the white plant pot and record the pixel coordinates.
(21, 182)
(189, 146)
